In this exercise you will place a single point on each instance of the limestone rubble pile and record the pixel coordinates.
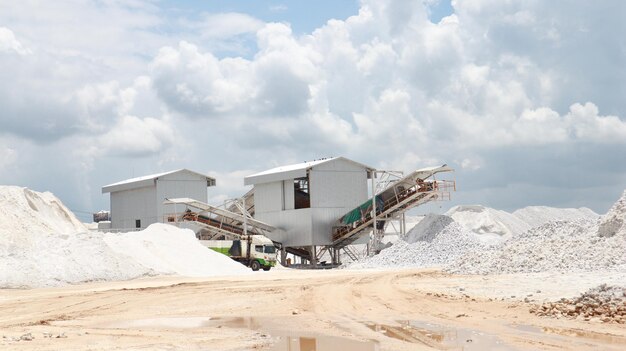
(614, 222)
(604, 303)
(436, 241)
(558, 246)
(488, 221)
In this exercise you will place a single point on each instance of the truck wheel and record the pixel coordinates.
(255, 265)
(266, 268)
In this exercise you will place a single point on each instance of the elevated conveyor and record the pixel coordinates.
(248, 200)
(213, 221)
(415, 189)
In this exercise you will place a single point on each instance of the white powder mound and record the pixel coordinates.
(446, 243)
(428, 228)
(25, 211)
(488, 221)
(170, 250)
(53, 259)
(43, 244)
(614, 222)
(559, 246)
(536, 216)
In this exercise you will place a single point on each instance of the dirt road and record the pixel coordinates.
(288, 310)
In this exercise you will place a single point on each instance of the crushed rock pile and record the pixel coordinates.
(480, 240)
(536, 216)
(614, 222)
(488, 221)
(603, 303)
(559, 246)
(436, 241)
(428, 228)
(42, 244)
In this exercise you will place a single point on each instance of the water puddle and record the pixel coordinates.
(287, 340)
(573, 333)
(322, 343)
(608, 338)
(440, 337)
(417, 332)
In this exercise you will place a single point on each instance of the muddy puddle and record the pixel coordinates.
(436, 336)
(588, 337)
(322, 343)
(286, 340)
(440, 337)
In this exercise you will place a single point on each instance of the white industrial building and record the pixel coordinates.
(305, 200)
(138, 202)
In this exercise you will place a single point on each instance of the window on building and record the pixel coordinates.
(137, 223)
(302, 197)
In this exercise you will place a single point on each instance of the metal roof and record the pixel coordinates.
(297, 170)
(422, 173)
(144, 181)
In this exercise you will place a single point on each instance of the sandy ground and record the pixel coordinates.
(304, 310)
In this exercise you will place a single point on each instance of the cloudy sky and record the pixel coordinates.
(525, 99)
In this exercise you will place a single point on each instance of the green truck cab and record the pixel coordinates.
(254, 251)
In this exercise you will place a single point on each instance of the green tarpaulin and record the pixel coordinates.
(362, 210)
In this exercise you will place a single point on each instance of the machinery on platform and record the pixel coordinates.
(311, 210)
(233, 233)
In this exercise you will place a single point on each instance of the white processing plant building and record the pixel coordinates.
(308, 209)
(138, 202)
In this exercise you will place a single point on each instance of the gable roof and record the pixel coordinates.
(297, 170)
(140, 182)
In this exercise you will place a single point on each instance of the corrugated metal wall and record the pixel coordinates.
(295, 225)
(268, 197)
(288, 193)
(130, 205)
(146, 204)
(335, 187)
(181, 184)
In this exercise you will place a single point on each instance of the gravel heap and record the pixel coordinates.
(559, 246)
(436, 241)
(488, 221)
(480, 240)
(536, 216)
(614, 222)
(428, 228)
(603, 303)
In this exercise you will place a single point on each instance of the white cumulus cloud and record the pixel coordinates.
(8, 42)
(134, 136)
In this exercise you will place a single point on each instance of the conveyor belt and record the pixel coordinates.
(413, 190)
(214, 220)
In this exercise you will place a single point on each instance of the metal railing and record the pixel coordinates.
(403, 199)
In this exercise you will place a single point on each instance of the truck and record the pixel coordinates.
(254, 251)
